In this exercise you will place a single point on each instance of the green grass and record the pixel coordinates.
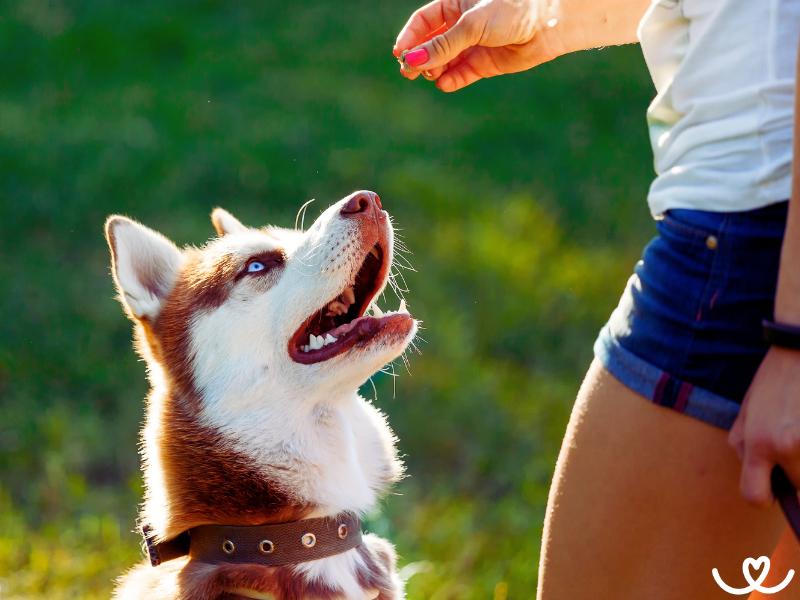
(522, 200)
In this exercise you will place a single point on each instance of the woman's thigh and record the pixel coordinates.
(644, 503)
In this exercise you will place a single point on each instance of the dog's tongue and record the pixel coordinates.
(361, 325)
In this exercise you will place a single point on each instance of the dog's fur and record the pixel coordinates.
(237, 431)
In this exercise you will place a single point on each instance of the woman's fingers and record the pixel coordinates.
(445, 47)
(755, 480)
(410, 74)
(480, 62)
(457, 78)
(736, 434)
(464, 70)
(425, 23)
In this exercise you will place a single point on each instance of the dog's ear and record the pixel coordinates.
(144, 263)
(224, 222)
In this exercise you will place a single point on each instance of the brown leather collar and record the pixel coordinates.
(269, 545)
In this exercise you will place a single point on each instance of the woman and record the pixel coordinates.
(643, 503)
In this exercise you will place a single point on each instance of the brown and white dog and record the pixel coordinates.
(256, 345)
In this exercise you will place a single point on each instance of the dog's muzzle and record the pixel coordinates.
(269, 545)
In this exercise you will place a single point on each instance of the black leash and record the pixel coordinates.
(786, 495)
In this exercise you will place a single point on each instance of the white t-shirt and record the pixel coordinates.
(721, 123)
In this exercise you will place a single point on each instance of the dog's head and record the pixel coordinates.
(264, 315)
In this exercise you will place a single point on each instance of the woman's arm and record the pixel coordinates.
(457, 42)
(767, 431)
(787, 299)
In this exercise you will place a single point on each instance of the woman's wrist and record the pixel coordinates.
(553, 42)
(585, 24)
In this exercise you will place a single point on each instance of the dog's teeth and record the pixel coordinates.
(374, 251)
(329, 339)
(402, 308)
(348, 296)
(305, 348)
(315, 343)
(376, 310)
(336, 308)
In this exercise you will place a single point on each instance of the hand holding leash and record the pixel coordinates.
(767, 439)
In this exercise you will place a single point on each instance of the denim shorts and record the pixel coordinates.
(687, 331)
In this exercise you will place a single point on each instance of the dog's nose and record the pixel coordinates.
(362, 202)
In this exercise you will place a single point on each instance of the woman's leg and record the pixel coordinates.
(644, 503)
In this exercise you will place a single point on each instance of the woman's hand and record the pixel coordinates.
(458, 42)
(767, 431)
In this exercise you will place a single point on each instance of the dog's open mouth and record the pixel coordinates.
(342, 323)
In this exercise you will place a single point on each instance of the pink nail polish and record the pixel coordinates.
(416, 58)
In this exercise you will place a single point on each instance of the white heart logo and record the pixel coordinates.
(758, 566)
(755, 564)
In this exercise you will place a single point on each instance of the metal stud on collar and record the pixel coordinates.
(342, 531)
(266, 547)
(228, 547)
(309, 540)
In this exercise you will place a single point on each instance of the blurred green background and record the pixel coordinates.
(522, 199)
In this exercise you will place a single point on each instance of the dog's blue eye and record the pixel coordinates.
(263, 263)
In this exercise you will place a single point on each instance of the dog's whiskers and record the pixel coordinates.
(374, 390)
(303, 210)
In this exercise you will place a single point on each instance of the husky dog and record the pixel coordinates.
(256, 345)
